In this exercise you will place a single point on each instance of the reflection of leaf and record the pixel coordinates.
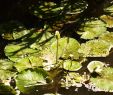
(95, 66)
(105, 81)
(30, 78)
(108, 20)
(6, 90)
(92, 29)
(95, 48)
(71, 65)
(5, 74)
(66, 47)
(107, 37)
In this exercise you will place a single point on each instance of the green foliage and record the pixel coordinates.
(39, 58)
(104, 82)
(95, 48)
(30, 78)
(92, 29)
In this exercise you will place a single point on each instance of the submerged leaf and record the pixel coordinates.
(95, 66)
(92, 29)
(95, 48)
(30, 78)
(71, 65)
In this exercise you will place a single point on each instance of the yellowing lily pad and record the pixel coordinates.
(92, 29)
(95, 66)
(95, 48)
(108, 37)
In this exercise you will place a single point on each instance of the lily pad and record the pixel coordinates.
(17, 51)
(108, 20)
(71, 65)
(95, 66)
(39, 39)
(66, 47)
(92, 29)
(30, 78)
(104, 82)
(28, 62)
(5, 74)
(6, 64)
(107, 37)
(95, 48)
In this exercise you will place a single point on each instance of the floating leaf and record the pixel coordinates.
(6, 64)
(39, 39)
(28, 62)
(71, 65)
(107, 37)
(30, 78)
(104, 82)
(66, 47)
(95, 66)
(17, 51)
(5, 74)
(95, 48)
(108, 20)
(92, 29)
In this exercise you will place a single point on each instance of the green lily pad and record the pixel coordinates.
(6, 64)
(17, 51)
(39, 39)
(95, 66)
(29, 78)
(108, 20)
(5, 74)
(13, 30)
(95, 48)
(104, 82)
(71, 65)
(92, 29)
(107, 37)
(66, 47)
(28, 62)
